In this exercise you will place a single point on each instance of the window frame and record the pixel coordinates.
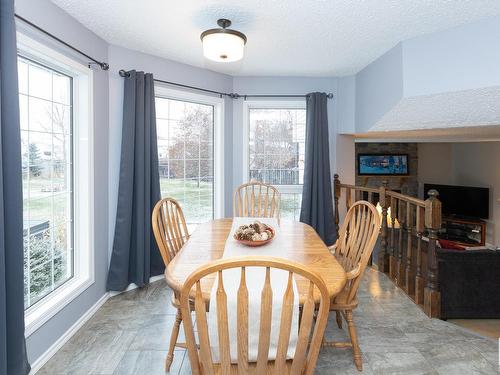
(162, 91)
(82, 176)
(296, 103)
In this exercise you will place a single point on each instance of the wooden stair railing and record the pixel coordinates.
(408, 238)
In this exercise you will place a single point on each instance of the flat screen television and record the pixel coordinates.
(465, 201)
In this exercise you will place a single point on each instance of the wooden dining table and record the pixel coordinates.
(299, 241)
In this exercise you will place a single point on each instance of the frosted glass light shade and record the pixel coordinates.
(223, 47)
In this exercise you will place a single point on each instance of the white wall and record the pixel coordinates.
(346, 105)
(477, 164)
(461, 58)
(434, 164)
(379, 87)
(345, 153)
(467, 164)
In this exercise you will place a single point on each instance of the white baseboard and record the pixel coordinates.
(44, 358)
(134, 286)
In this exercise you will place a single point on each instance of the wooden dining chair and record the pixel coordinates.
(306, 352)
(353, 249)
(170, 230)
(256, 199)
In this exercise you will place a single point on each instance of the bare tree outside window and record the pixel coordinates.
(186, 157)
(276, 153)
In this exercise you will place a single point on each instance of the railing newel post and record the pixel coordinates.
(400, 267)
(432, 298)
(419, 280)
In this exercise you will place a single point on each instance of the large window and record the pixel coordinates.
(276, 143)
(186, 138)
(45, 102)
(55, 102)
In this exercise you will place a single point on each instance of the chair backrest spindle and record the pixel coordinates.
(256, 199)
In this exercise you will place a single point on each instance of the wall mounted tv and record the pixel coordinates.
(465, 201)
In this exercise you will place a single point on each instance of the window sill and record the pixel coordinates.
(41, 312)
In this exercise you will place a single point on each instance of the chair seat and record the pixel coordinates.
(252, 368)
(340, 301)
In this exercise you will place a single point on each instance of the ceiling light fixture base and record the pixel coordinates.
(224, 23)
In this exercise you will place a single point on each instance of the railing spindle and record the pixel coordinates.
(400, 263)
(419, 281)
(409, 281)
(393, 255)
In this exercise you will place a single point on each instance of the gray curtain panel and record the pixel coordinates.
(135, 255)
(13, 359)
(317, 203)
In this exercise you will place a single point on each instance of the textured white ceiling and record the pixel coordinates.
(285, 37)
(467, 108)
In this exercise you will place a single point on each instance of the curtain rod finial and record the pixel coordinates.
(123, 73)
(330, 96)
(104, 66)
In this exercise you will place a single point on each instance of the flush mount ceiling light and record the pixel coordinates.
(223, 45)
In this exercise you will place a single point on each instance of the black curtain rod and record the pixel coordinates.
(124, 73)
(329, 96)
(103, 65)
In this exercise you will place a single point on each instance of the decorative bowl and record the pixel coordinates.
(255, 243)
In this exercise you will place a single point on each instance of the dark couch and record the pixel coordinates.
(469, 283)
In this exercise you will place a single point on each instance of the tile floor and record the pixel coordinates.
(130, 333)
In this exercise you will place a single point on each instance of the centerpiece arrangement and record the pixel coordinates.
(255, 234)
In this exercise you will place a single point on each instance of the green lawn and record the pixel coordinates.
(196, 200)
(45, 205)
(290, 206)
